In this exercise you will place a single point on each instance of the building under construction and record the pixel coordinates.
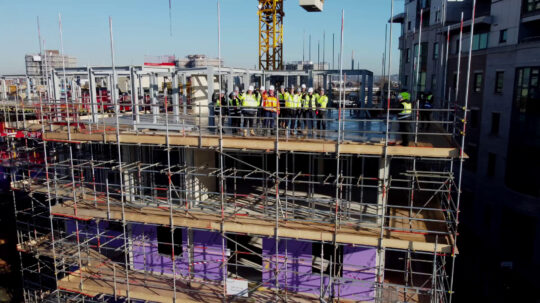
(150, 196)
(130, 184)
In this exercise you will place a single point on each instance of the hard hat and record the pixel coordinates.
(236, 89)
(272, 87)
(250, 88)
(262, 88)
(303, 86)
(282, 87)
(310, 90)
(222, 92)
(299, 90)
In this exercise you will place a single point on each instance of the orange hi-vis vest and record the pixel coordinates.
(271, 103)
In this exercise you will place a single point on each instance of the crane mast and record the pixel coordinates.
(271, 34)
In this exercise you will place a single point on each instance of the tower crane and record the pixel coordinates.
(271, 15)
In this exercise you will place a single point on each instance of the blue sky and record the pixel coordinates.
(142, 28)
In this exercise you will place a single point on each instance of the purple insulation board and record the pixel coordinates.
(207, 253)
(108, 235)
(296, 272)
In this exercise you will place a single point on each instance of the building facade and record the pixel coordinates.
(40, 64)
(500, 242)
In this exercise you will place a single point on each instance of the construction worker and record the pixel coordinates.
(234, 110)
(322, 103)
(297, 103)
(250, 105)
(221, 110)
(309, 106)
(282, 96)
(261, 97)
(426, 104)
(404, 116)
(271, 110)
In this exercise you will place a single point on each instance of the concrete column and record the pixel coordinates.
(56, 87)
(210, 84)
(93, 98)
(370, 91)
(199, 187)
(247, 80)
(28, 88)
(134, 94)
(298, 81)
(383, 174)
(114, 92)
(184, 94)
(4, 89)
(310, 79)
(73, 91)
(230, 82)
(363, 90)
(175, 97)
(153, 97)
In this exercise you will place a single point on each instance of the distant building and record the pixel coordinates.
(193, 61)
(39, 64)
(500, 242)
(306, 65)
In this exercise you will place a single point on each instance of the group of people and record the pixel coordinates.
(405, 115)
(298, 111)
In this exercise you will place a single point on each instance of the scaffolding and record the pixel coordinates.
(156, 195)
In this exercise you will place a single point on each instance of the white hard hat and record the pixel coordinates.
(303, 86)
(236, 89)
(250, 88)
(310, 90)
(262, 88)
(272, 87)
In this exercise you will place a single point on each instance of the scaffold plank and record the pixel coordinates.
(294, 230)
(264, 144)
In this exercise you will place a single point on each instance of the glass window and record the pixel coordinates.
(499, 82)
(478, 82)
(408, 55)
(474, 118)
(480, 41)
(503, 35)
(524, 140)
(471, 150)
(433, 82)
(495, 123)
(165, 240)
(492, 162)
(531, 5)
(436, 50)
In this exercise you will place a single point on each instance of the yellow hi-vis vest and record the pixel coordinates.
(271, 103)
(309, 102)
(407, 110)
(250, 101)
(322, 101)
(294, 101)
